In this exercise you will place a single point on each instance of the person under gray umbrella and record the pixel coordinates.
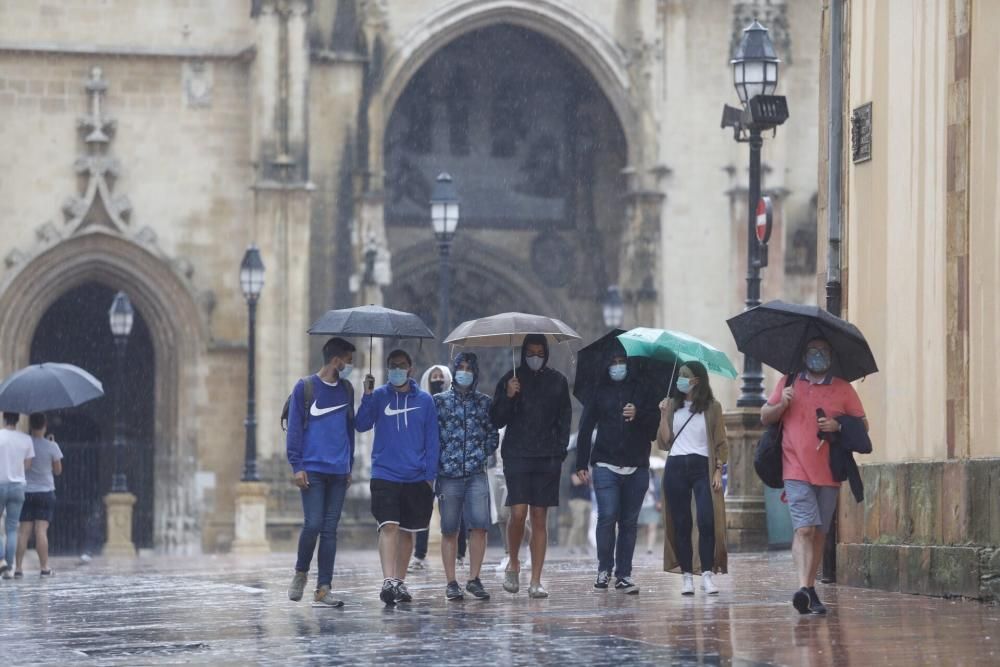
(16, 452)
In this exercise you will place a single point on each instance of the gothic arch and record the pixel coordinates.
(587, 42)
(178, 331)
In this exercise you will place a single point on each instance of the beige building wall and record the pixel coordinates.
(895, 257)
(984, 231)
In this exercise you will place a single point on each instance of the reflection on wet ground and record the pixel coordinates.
(228, 610)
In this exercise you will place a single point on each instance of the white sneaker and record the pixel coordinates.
(687, 588)
(708, 585)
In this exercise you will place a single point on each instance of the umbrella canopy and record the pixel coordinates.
(44, 387)
(372, 321)
(776, 334)
(591, 366)
(509, 330)
(676, 348)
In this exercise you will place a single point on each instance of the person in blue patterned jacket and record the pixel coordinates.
(468, 438)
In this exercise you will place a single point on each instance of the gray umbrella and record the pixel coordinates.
(44, 387)
(509, 329)
(372, 321)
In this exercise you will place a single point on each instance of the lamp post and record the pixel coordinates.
(121, 317)
(755, 76)
(613, 308)
(251, 282)
(444, 220)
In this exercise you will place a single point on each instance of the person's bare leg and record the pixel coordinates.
(650, 536)
(404, 547)
(515, 533)
(23, 534)
(539, 542)
(802, 550)
(449, 551)
(42, 543)
(818, 544)
(388, 537)
(477, 552)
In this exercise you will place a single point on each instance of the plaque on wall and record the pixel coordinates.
(861, 133)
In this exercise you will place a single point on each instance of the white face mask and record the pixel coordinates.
(535, 363)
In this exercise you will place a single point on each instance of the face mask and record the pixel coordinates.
(464, 378)
(397, 377)
(817, 361)
(535, 363)
(617, 372)
(346, 370)
(683, 385)
(437, 386)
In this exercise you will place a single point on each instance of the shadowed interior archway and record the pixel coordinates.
(178, 333)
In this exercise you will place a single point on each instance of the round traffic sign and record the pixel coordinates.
(764, 219)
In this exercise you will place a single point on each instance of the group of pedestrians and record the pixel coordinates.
(440, 442)
(29, 463)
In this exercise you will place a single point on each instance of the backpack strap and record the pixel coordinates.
(307, 398)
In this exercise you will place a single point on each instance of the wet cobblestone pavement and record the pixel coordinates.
(228, 610)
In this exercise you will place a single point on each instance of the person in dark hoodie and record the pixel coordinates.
(320, 448)
(468, 439)
(626, 420)
(533, 404)
(404, 466)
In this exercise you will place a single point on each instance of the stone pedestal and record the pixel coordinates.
(746, 519)
(251, 519)
(119, 514)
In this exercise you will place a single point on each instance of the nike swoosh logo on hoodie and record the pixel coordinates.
(392, 412)
(319, 412)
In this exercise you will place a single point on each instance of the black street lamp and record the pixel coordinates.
(251, 282)
(122, 317)
(613, 308)
(444, 220)
(755, 76)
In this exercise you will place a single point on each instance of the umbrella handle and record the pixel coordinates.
(513, 361)
(371, 346)
(672, 374)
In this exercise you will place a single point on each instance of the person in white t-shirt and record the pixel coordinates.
(16, 452)
(39, 495)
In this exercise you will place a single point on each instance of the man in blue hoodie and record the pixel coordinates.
(320, 448)
(404, 465)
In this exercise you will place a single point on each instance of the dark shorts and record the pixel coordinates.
(409, 505)
(538, 489)
(39, 506)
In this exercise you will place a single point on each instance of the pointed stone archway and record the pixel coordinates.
(178, 332)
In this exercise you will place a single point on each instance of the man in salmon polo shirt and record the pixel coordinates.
(809, 484)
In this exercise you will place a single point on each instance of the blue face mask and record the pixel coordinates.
(617, 372)
(464, 378)
(817, 361)
(683, 385)
(398, 376)
(346, 371)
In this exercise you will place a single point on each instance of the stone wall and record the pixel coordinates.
(928, 528)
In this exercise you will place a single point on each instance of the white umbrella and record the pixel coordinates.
(509, 330)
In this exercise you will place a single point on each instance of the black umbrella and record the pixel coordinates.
(372, 321)
(591, 368)
(44, 387)
(776, 334)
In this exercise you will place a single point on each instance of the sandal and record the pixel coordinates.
(512, 581)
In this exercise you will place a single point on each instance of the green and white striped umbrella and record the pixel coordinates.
(677, 348)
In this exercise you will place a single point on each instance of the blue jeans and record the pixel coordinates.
(322, 503)
(686, 475)
(464, 501)
(11, 500)
(619, 499)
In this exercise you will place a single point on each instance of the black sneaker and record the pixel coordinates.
(454, 591)
(801, 600)
(626, 585)
(402, 593)
(602, 580)
(475, 587)
(815, 606)
(388, 593)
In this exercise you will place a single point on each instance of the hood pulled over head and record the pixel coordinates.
(534, 339)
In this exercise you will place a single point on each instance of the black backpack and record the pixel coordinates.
(307, 398)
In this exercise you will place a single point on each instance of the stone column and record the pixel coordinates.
(119, 515)
(639, 272)
(266, 77)
(746, 520)
(251, 518)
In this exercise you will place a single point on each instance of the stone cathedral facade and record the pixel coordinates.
(148, 144)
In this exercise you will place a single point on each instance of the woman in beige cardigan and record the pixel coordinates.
(692, 430)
